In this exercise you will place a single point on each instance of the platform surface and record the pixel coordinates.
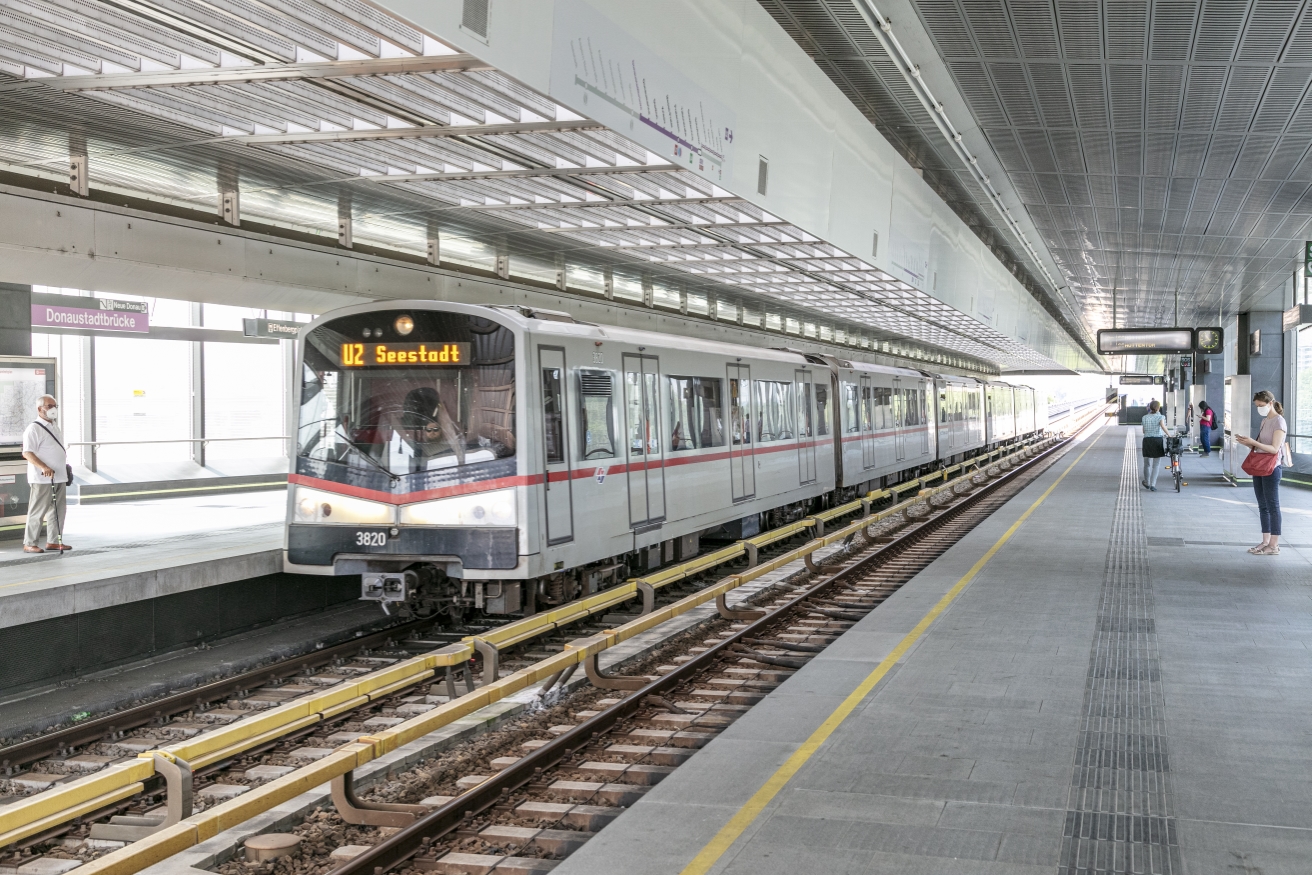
(1120, 688)
(131, 551)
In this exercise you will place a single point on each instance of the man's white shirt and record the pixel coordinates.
(45, 440)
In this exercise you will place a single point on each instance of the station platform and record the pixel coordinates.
(145, 577)
(1096, 678)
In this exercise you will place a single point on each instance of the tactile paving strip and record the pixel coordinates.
(1119, 816)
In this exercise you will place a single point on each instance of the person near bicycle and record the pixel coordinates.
(1206, 422)
(1154, 444)
(47, 478)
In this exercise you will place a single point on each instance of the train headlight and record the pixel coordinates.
(404, 325)
(315, 506)
(495, 508)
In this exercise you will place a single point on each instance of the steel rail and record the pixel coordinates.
(401, 846)
(79, 798)
(42, 746)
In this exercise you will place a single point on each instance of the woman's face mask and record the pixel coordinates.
(1263, 409)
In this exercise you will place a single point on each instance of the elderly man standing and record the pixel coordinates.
(47, 461)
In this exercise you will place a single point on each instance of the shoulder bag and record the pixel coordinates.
(68, 468)
(1260, 464)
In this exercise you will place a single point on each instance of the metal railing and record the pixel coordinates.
(1063, 408)
(174, 441)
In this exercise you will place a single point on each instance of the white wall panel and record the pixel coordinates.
(786, 109)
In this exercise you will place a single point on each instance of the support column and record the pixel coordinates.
(345, 231)
(197, 390)
(291, 388)
(15, 319)
(229, 195)
(90, 458)
(78, 168)
(434, 243)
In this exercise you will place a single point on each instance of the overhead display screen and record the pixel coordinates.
(394, 355)
(1132, 341)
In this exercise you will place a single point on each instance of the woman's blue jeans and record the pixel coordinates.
(1267, 490)
(1205, 438)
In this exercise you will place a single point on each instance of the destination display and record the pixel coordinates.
(1137, 341)
(1142, 380)
(1131, 341)
(383, 355)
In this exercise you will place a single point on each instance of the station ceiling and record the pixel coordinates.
(1160, 149)
(319, 111)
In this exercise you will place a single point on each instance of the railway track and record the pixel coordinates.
(398, 642)
(554, 793)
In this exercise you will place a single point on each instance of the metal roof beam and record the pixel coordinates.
(419, 133)
(705, 226)
(574, 205)
(527, 172)
(457, 63)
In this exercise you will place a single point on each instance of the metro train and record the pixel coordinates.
(467, 458)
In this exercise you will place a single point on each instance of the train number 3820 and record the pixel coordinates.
(371, 539)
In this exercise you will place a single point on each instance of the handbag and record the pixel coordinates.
(68, 469)
(1260, 464)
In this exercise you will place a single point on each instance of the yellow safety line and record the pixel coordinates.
(716, 847)
(266, 484)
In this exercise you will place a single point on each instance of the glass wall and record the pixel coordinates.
(143, 393)
(207, 383)
(1301, 440)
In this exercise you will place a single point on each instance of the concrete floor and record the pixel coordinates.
(991, 745)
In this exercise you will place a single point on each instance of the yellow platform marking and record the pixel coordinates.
(727, 835)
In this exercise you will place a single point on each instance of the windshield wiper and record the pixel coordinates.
(353, 445)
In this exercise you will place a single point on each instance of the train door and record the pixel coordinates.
(867, 423)
(947, 432)
(803, 391)
(557, 484)
(742, 468)
(924, 424)
(899, 419)
(645, 457)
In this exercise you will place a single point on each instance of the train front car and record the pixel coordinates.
(407, 457)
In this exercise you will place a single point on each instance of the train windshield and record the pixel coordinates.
(394, 394)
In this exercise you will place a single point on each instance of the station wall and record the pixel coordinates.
(829, 170)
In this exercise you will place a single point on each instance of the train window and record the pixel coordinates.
(803, 407)
(553, 416)
(643, 413)
(381, 422)
(596, 402)
(822, 409)
(697, 413)
(883, 408)
(740, 408)
(851, 408)
(775, 403)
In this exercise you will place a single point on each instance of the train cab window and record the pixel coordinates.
(388, 409)
(553, 415)
(775, 403)
(696, 412)
(596, 413)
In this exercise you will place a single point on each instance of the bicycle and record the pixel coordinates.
(1175, 449)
